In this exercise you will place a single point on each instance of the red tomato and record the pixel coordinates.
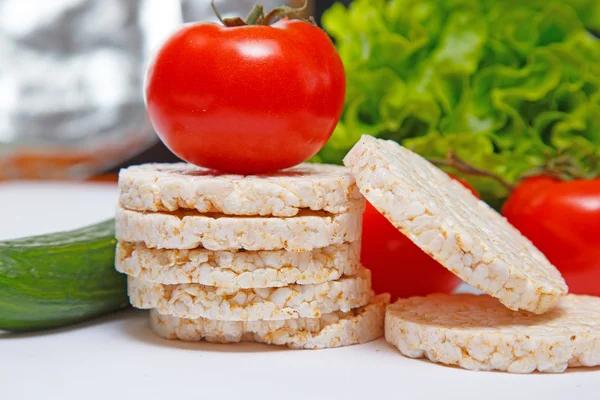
(248, 99)
(397, 265)
(562, 219)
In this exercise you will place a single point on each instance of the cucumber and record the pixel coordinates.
(54, 280)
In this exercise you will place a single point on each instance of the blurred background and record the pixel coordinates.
(71, 75)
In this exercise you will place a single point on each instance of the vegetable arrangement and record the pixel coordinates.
(505, 94)
(506, 85)
(487, 89)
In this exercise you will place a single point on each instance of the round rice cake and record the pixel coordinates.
(238, 269)
(188, 230)
(336, 329)
(191, 300)
(450, 224)
(171, 187)
(478, 333)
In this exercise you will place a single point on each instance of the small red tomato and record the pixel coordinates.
(249, 99)
(397, 265)
(562, 219)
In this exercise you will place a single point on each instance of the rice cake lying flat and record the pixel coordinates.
(455, 228)
(170, 187)
(238, 269)
(294, 301)
(336, 329)
(189, 230)
(478, 333)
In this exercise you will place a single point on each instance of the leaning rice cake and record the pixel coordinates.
(450, 224)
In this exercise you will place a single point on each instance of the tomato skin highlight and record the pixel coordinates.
(562, 218)
(249, 99)
(397, 265)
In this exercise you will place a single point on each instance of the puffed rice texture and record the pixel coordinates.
(238, 269)
(450, 224)
(295, 301)
(478, 333)
(171, 187)
(336, 329)
(188, 230)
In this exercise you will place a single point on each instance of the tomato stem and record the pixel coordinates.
(563, 167)
(454, 161)
(284, 11)
(257, 15)
(216, 11)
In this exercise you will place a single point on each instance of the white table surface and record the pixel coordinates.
(117, 357)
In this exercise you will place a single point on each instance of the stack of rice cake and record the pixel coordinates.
(230, 258)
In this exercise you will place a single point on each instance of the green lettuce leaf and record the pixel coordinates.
(504, 84)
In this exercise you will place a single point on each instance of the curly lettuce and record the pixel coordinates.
(504, 84)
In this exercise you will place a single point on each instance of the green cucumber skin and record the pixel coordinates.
(59, 279)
